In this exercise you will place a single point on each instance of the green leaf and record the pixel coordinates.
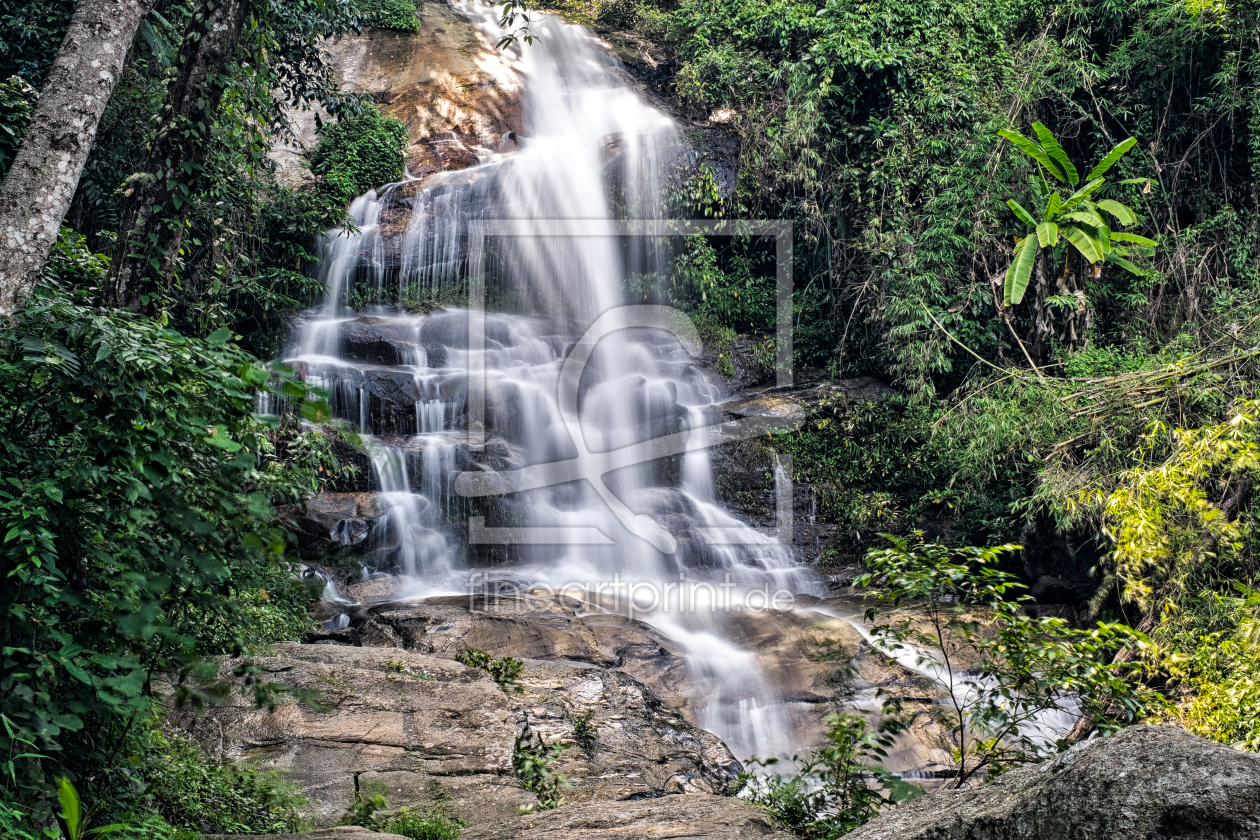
(1055, 151)
(1082, 194)
(1020, 271)
(1110, 160)
(1023, 215)
(1125, 264)
(315, 411)
(1034, 151)
(219, 337)
(1087, 218)
(1083, 242)
(70, 811)
(1135, 239)
(1048, 234)
(1122, 214)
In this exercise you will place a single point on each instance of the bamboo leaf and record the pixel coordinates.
(1019, 271)
(1055, 151)
(1110, 160)
(1019, 211)
(1048, 234)
(1122, 214)
(1034, 151)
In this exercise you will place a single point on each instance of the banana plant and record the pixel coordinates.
(1080, 219)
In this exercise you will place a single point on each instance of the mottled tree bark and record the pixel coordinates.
(45, 174)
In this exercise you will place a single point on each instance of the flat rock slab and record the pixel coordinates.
(392, 715)
(697, 817)
(642, 747)
(1144, 783)
(529, 626)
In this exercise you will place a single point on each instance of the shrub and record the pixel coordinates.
(359, 153)
(839, 786)
(190, 791)
(136, 514)
(505, 670)
(368, 808)
(1023, 667)
(390, 14)
(532, 758)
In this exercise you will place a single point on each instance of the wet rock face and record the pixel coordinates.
(743, 470)
(332, 519)
(1144, 783)
(811, 657)
(379, 341)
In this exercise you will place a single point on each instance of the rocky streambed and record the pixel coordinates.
(399, 717)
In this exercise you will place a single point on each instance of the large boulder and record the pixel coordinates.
(1144, 783)
(332, 520)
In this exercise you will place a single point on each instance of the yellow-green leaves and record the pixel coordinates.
(1162, 522)
(1020, 270)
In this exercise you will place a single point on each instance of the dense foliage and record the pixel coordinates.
(1046, 369)
(390, 14)
(138, 486)
(360, 153)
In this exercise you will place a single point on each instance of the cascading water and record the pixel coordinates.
(592, 151)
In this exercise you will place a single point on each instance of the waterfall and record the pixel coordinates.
(592, 151)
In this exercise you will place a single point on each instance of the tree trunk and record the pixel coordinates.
(45, 174)
(1086, 723)
(157, 211)
(1043, 315)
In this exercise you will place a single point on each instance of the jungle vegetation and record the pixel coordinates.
(1087, 369)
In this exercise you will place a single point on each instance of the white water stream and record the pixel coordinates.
(588, 137)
